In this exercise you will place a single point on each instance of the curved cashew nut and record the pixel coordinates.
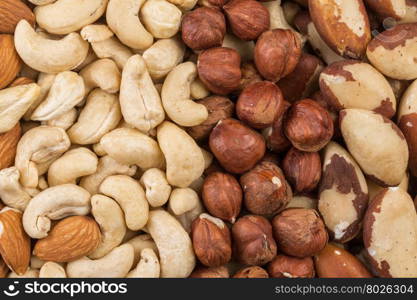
(41, 2)
(14, 102)
(96, 33)
(115, 264)
(184, 4)
(66, 92)
(182, 200)
(187, 218)
(66, 16)
(65, 120)
(38, 148)
(122, 17)
(139, 100)
(52, 269)
(98, 149)
(11, 192)
(48, 55)
(139, 243)
(112, 48)
(42, 183)
(176, 96)
(73, 164)
(102, 73)
(54, 203)
(198, 90)
(45, 82)
(148, 266)
(174, 244)
(129, 146)
(129, 194)
(156, 186)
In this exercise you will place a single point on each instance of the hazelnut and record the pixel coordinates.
(266, 192)
(291, 267)
(203, 28)
(308, 126)
(251, 272)
(219, 108)
(212, 3)
(222, 196)
(247, 18)
(277, 53)
(302, 169)
(211, 241)
(216, 272)
(259, 104)
(274, 135)
(253, 241)
(249, 75)
(300, 232)
(219, 69)
(237, 147)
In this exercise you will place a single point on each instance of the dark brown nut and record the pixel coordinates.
(252, 240)
(219, 108)
(274, 135)
(280, 46)
(251, 272)
(300, 232)
(388, 8)
(216, 272)
(4, 269)
(212, 3)
(222, 196)
(249, 75)
(237, 147)
(308, 125)
(203, 28)
(247, 18)
(266, 192)
(335, 262)
(219, 69)
(302, 169)
(284, 266)
(319, 98)
(259, 104)
(211, 241)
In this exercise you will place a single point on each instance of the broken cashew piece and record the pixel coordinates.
(65, 120)
(148, 266)
(45, 82)
(103, 74)
(139, 243)
(184, 4)
(11, 192)
(182, 200)
(156, 186)
(96, 33)
(52, 269)
(112, 48)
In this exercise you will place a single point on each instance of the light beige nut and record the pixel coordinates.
(42, 183)
(11, 192)
(303, 202)
(244, 48)
(184, 4)
(410, 12)
(182, 200)
(30, 273)
(45, 82)
(374, 189)
(52, 270)
(98, 149)
(41, 2)
(198, 90)
(36, 262)
(139, 243)
(65, 120)
(96, 33)
(395, 9)
(112, 48)
(148, 266)
(103, 74)
(157, 188)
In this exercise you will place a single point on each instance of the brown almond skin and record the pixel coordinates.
(253, 241)
(251, 272)
(222, 196)
(21, 81)
(8, 145)
(284, 266)
(335, 262)
(237, 147)
(410, 134)
(11, 12)
(10, 62)
(274, 135)
(216, 272)
(4, 269)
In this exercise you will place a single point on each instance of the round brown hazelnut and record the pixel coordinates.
(215, 272)
(251, 272)
(277, 53)
(247, 18)
(302, 169)
(249, 75)
(291, 267)
(275, 138)
(266, 192)
(237, 147)
(253, 241)
(300, 232)
(222, 196)
(219, 69)
(212, 3)
(259, 104)
(203, 28)
(308, 126)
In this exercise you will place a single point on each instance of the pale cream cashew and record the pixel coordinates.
(52, 270)
(115, 264)
(208, 158)
(156, 186)
(184, 4)
(112, 48)
(54, 203)
(176, 96)
(98, 149)
(96, 33)
(73, 164)
(174, 244)
(48, 55)
(129, 235)
(65, 93)
(148, 266)
(139, 100)
(131, 147)
(91, 57)
(45, 82)
(163, 56)
(123, 19)
(198, 90)
(182, 200)
(161, 18)
(42, 183)
(30, 273)
(37, 149)
(109, 216)
(187, 218)
(184, 159)
(41, 2)
(14, 102)
(36, 262)
(65, 120)
(11, 192)
(129, 194)
(139, 243)
(244, 48)
(102, 73)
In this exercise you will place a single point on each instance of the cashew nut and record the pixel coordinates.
(198, 90)
(112, 48)
(36, 262)
(182, 200)
(45, 82)
(91, 57)
(52, 270)
(139, 243)
(65, 120)
(148, 266)
(98, 149)
(42, 183)
(96, 33)
(102, 73)
(11, 192)
(244, 48)
(156, 186)
(188, 217)
(184, 4)
(41, 2)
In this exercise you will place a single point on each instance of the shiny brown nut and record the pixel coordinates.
(320, 99)
(237, 147)
(222, 196)
(299, 232)
(308, 125)
(274, 135)
(266, 192)
(388, 8)
(212, 3)
(259, 104)
(284, 266)
(251, 272)
(280, 46)
(219, 108)
(216, 272)
(247, 18)
(249, 75)
(203, 28)
(252, 240)
(219, 69)
(302, 169)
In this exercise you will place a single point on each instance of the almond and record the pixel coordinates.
(14, 242)
(70, 239)
(11, 12)
(4, 269)
(21, 81)
(10, 62)
(8, 144)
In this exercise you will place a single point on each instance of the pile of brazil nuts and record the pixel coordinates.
(208, 138)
